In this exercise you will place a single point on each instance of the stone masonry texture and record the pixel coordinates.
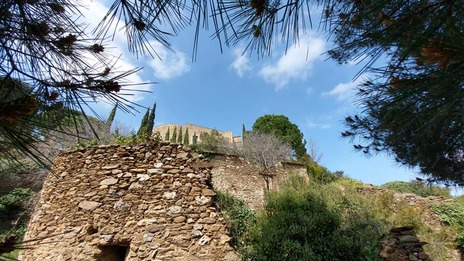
(142, 202)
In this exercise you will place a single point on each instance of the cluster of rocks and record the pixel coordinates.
(150, 201)
(403, 245)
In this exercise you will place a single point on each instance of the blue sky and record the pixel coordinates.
(225, 90)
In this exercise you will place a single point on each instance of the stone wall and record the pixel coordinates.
(143, 202)
(242, 179)
(402, 244)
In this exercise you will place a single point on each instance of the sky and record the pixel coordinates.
(223, 90)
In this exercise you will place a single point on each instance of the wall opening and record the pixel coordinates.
(113, 253)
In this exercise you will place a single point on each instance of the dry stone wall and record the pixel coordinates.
(243, 180)
(144, 202)
(402, 244)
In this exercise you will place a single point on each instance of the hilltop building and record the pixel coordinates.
(193, 130)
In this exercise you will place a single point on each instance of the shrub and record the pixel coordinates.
(322, 175)
(417, 187)
(298, 225)
(240, 217)
(452, 213)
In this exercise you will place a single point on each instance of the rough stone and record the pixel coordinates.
(110, 181)
(88, 205)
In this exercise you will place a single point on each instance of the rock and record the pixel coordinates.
(143, 177)
(408, 239)
(179, 219)
(184, 155)
(155, 228)
(204, 240)
(148, 237)
(174, 171)
(121, 206)
(196, 233)
(174, 209)
(155, 171)
(110, 167)
(187, 170)
(208, 192)
(88, 205)
(202, 200)
(169, 195)
(158, 165)
(110, 181)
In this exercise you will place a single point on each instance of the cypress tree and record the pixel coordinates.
(186, 137)
(168, 134)
(243, 132)
(194, 139)
(110, 119)
(174, 135)
(143, 124)
(179, 136)
(151, 120)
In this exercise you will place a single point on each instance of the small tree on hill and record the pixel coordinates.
(179, 136)
(168, 134)
(194, 138)
(143, 124)
(174, 135)
(186, 137)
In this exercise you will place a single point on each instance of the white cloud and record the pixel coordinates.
(171, 63)
(241, 63)
(296, 64)
(345, 91)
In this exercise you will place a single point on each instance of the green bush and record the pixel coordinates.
(240, 218)
(452, 213)
(417, 187)
(298, 225)
(322, 175)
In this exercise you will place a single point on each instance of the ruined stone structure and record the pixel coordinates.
(402, 244)
(144, 202)
(242, 179)
(194, 129)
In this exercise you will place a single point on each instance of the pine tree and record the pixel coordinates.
(179, 136)
(151, 120)
(168, 135)
(174, 135)
(186, 137)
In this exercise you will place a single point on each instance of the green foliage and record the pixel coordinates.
(186, 137)
(110, 119)
(321, 174)
(452, 213)
(240, 217)
(168, 135)
(143, 124)
(281, 127)
(151, 120)
(412, 105)
(211, 141)
(132, 139)
(174, 135)
(417, 187)
(194, 139)
(299, 225)
(179, 136)
(11, 205)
